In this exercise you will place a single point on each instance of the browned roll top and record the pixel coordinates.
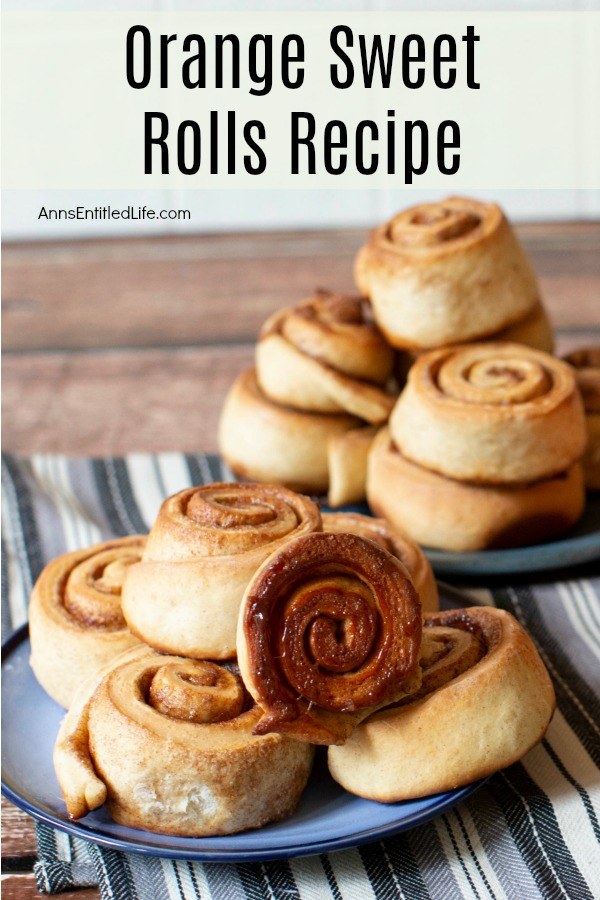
(334, 329)
(432, 227)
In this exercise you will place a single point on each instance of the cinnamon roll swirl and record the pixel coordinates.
(184, 595)
(492, 413)
(324, 356)
(586, 363)
(442, 273)
(330, 629)
(76, 624)
(167, 743)
(395, 542)
(485, 700)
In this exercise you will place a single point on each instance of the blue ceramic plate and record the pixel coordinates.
(580, 545)
(328, 818)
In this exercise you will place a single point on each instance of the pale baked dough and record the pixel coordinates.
(168, 744)
(495, 413)
(437, 511)
(534, 331)
(440, 273)
(329, 630)
(265, 441)
(205, 546)
(347, 456)
(395, 542)
(76, 624)
(324, 356)
(480, 709)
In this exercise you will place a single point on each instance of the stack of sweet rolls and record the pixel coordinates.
(258, 629)
(436, 275)
(305, 415)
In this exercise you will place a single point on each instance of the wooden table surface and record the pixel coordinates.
(112, 346)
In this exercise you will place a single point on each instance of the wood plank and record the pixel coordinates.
(18, 832)
(220, 288)
(114, 402)
(105, 403)
(23, 887)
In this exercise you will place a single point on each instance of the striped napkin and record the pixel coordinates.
(531, 831)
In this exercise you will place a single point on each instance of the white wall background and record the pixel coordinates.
(235, 210)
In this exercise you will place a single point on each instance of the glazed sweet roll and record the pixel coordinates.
(76, 624)
(329, 630)
(586, 363)
(395, 542)
(448, 272)
(485, 700)
(168, 744)
(184, 595)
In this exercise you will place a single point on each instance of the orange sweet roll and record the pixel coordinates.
(76, 623)
(395, 542)
(168, 744)
(184, 595)
(586, 363)
(437, 511)
(447, 272)
(492, 413)
(325, 356)
(485, 700)
(329, 630)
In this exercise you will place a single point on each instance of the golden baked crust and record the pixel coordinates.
(535, 330)
(586, 363)
(324, 356)
(205, 546)
(486, 699)
(265, 441)
(442, 512)
(76, 623)
(495, 413)
(329, 629)
(395, 542)
(168, 744)
(440, 273)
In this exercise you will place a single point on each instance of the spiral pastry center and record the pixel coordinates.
(229, 511)
(500, 379)
(244, 515)
(431, 224)
(92, 590)
(330, 641)
(196, 691)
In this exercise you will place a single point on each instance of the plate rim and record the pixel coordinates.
(357, 838)
(580, 548)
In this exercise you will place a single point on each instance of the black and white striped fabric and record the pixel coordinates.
(532, 831)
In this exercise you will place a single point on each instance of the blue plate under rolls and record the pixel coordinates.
(580, 545)
(328, 817)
